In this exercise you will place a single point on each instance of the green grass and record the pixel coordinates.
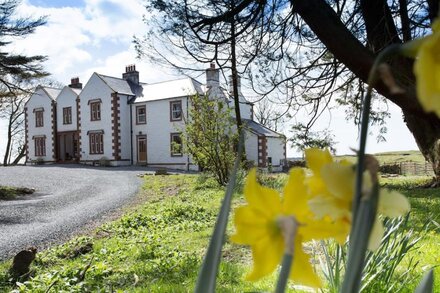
(8, 193)
(425, 209)
(391, 157)
(158, 246)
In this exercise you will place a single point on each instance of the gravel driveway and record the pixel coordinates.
(67, 198)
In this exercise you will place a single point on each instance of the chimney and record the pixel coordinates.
(131, 74)
(231, 86)
(212, 76)
(75, 84)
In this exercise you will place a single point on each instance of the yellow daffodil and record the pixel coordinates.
(332, 190)
(427, 68)
(256, 225)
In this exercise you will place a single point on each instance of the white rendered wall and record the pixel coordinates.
(40, 100)
(245, 111)
(67, 98)
(158, 130)
(251, 147)
(96, 89)
(275, 150)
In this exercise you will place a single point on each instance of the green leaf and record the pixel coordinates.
(427, 283)
(208, 272)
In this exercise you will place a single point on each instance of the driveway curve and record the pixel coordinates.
(67, 198)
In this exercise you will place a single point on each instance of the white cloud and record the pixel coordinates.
(76, 37)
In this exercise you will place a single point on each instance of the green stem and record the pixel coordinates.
(363, 213)
(208, 271)
(372, 79)
(284, 273)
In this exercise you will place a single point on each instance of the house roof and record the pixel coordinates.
(260, 129)
(119, 85)
(51, 92)
(169, 89)
(75, 90)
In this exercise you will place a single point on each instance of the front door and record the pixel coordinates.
(142, 149)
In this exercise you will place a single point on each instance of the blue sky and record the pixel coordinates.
(82, 37)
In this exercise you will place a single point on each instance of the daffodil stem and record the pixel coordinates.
(372, 79)
(208, 271)
(289, 227)
(284, 273)
(364, 211)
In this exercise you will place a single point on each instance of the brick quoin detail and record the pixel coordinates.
(54, 130)
(116, 147)
(26, 132)
(284, 150)
(262, 151)
(78, 126)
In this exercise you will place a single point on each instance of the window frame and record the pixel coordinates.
(95, 113)
(40, 146)
(179, 102)
(67, 115)
(39, 118)
(172, 151)
(144, 107)
(96, 143)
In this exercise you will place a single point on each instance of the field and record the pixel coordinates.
(158, 246)
(392, 157)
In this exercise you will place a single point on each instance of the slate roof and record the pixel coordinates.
(169, 89)
(260, 129)
(76, 91)
(52, 92)
(119, 85)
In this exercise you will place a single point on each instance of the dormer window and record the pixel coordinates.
(141, 115)
(176, 110)
(95, 110)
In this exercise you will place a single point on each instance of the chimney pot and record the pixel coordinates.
(212, 76)
(74, 83)
(131, 74)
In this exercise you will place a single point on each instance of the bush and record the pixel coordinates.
(390, 169)
(104, 162)
(38, 161)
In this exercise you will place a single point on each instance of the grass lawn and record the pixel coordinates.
(392, 157)
(158, 246)
(8, 193)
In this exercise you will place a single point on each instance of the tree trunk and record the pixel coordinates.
(8, 142)
(426, 131)
(21, 155)
(327, 26)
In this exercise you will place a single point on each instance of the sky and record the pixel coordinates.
(86, 36)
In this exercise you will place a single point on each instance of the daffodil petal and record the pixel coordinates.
(392, 203)
(295, 195)
(250, 226)
(263, 199)
(322, 206)
(339, 180)
(316, 158)
(427, 71)
(376, 235)
(302, 270)
(266, 255)
(316, 230)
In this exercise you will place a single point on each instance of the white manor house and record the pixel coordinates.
(127, 122)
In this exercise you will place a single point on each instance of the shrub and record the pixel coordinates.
(104, 162)
(390, 169)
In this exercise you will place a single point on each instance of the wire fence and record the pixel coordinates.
(408, 168)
